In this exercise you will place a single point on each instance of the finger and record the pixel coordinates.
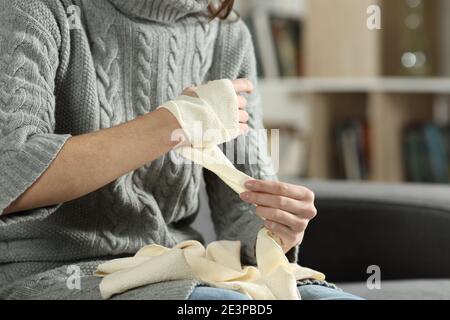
(286, 234)
(243, 128)
(243, 86)
(192, 94)
(272, 201)
(282, 217)
(242, 102)
(243, 116)
(181, 138)
(280, 188)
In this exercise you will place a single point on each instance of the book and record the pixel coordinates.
(437, 153)
(352, 150)
(416, 159)
(446, 133)
(264, 43)
(427, 154)
(286, 33)
(351, 156)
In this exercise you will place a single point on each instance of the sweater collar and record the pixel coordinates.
(160, 10)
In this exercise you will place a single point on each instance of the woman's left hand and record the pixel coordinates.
(286, 208)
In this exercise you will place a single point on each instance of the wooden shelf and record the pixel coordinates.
(355, 74)
(356, 85)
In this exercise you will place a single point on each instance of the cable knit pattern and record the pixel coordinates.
(144, 72)
(128, 57)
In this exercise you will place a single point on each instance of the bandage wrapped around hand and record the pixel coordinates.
(210, 119)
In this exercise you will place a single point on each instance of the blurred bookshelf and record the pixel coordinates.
(304, 85)
(358, 104)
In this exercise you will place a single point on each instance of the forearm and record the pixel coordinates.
(90, 161)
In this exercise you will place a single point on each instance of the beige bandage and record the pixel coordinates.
(219, 264)
(210, 119)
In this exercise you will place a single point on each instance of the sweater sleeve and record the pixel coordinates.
(28, 64)
(233, 219)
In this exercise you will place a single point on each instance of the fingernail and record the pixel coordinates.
(269, 224)
(245, 196)
(250, 184)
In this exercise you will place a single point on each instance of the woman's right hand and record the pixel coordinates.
(241, 86)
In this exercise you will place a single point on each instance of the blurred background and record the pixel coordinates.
(353, 103)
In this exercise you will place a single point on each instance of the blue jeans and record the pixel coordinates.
(307, 292)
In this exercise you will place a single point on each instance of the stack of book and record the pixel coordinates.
(427, 153)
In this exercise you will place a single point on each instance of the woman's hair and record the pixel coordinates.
(222, 11)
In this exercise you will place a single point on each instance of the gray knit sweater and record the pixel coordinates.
(60, 78)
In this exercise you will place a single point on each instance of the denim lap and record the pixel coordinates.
(318, 292)
(308, 292)
(209, 293)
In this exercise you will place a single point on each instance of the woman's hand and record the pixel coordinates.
(240, 86)
(286, 209)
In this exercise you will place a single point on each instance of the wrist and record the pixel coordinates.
(169, 119)
(165, 124)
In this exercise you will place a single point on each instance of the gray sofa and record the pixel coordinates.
(403, 229)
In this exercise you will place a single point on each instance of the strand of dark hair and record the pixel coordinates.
(222, 11)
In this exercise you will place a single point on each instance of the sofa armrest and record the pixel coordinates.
(404, 229)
